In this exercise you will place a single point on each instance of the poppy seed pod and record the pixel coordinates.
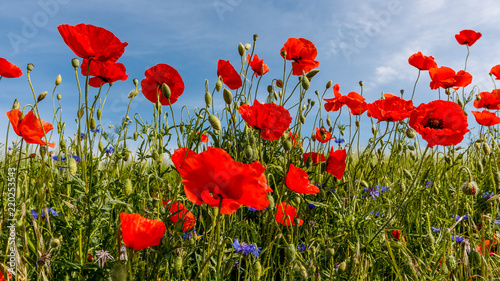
(55, 243)
(287, 145)
(165, 90)
(214, 122)
(342, 267)
(135, 81)
(470, 188)
(41, 96)
(75, 62)
(29, 67)
(58, 96)
(228, 96)
(290, 253)
(58, 80)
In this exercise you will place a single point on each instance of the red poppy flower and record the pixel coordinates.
(440, 122)
(180, 154)
(322, 135)
(213, 177)
(467, 37)
(356, 103)
(9, 70)
(298, 180)
(390, 109)
(496, 71)
(490, 246)
(90, 258)
(182, 214)
(335, 163)
(286, 214)
(203, 137)
(271, 119)
(29, 127)
(302, 52)
(422, 62)
(92, 42)
(295, 139)
(229, 76)
(488, 100)
(104, 72)
(397, 235)
(337, 102)
(155, 77)
(445, 77)
(2, 276)
(258, 66)
(486, 118)
(316, 157)
(139, 232)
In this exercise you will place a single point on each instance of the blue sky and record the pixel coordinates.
(362, 40)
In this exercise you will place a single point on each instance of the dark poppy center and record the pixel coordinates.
(434, 124)
(297, 59)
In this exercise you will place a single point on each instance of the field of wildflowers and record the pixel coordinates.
(250, 192)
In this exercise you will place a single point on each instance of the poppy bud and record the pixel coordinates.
(136, 135)
(328, 121)
(43, 151)
(16, 105)
(287, 145)
(275, 96)
(125, 154)
(241, 49)
(29, 67)
(480, 167)
(313, 103)
(165, 90)
(357, 123)
(486, 148)
(135, 81)
(271, 201)
(58, 97)
(41, 96)
(249, 152)
(329, 84)
(313, 137)
(290, 253)
(255, 36)
(99, 113)
(92, 124)
(100, 146)
(407, 174)
(283, 53)
(133, 93)
(279, 83)
(79, 113)
(309, 161)
(62, 144)
(72, 166)
(410, 133)
(257, 270)
(451, 262)
(342, 267)
(218, 85)
(305, 83)
(178, 264)
(118, 272)
(214, 122)
(460, 103)
(374, 130)
(312, 73)
(58, 80)
(496, 177)
(55, 243)
(470, 188)
(364, 183)
(228, 96)
(330, 252)
(75, 62)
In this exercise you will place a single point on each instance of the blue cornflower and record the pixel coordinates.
(246, 248)
(255, 210)
(339, 140)
(95, 131)
(462, 218)
(59, 158)
(457, 238)
(76, 157)
(375, 192)
(109, 150)
(302, 248)
(488, 195)
(428, 184)
(376, 214)
(436, 229)
(51, 212)
(34, 214)
(82, 136)
(311, 206)
(497, 222)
